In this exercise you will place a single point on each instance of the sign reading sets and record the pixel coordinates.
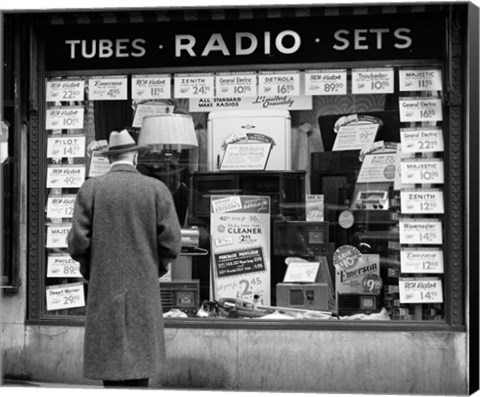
(222, 42)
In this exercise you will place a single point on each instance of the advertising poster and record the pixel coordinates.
(240, 239)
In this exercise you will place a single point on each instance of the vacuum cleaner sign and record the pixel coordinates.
(221, 42)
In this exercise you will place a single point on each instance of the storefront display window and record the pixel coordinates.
(311, 190)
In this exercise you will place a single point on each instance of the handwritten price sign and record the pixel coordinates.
(326, 82)
(68, 176)
(420, 109)
(373, 81)
(424, 140)
(65, 90)
(421, 231)
(421, 260)
(151, 86)
(420, 80)
(198, 85)
(66, 146)
(428, 201)
(107, 88)
(61, 266)
(65, 296)
(420, 290)
(280, 83)
(68, 117)
(429, 171)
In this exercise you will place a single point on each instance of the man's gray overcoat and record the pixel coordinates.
(124, 233)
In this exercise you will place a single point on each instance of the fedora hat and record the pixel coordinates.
(122, 142)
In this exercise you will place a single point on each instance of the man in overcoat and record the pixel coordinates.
(125, 232)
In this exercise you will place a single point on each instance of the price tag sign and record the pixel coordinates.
(107, 88)
(235, 85)
(66, 117)
(61, 266)
(420, 290)
(156, 86)
(421, 171)
(362, 277)
(57, 235)
(421, 140)
(379, 167)
(373, 81)
(426, 201)
(356, 136)
(421, 260)
(420, 109)
(421, 231)
(279, 83)
(65, 90)
(99, 164)
(198, 85)
(247, 156)
(145, 109)
(60, 206)
(326, 82)
(65, 296)
(314, 208)
(59, 176)
(420, 80)
(66, 146)
(301, 272)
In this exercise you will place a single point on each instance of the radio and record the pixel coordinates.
(301, 238)
(310, 296)
(371, 200)
(183, 295)
(349, 304)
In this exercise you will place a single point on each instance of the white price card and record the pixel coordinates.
(66, 146)
(421, 260)
(326, 82)
(65, 296)
(65, 117)
(420, 80)
(59, 90)
(107, 88)
(373, 81)
(314, 207)
(145, 109)
(279, 83)
(195, 85)
(61, 266)
(57, 235)
(421, 140)
(60, 206)
(156, 86)
(68, 176)
(420, 231)
(420, 109)
(355, 136)
(241, 85)
(246, 156)
(425, 201)
(429, 171)
(420, 290)
(301, 272)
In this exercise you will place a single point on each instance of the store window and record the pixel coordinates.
(307, 192)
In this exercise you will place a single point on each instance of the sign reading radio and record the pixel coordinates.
(216, 42)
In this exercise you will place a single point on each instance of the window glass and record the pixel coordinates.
(322, 202)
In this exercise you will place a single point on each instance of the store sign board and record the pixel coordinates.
(420, 290)
(66, 146)
(282, 102)
(62, 265)
(65, 296)
(242, 41)
(420, 79)
(421, 260)
(421, 140)
(60, 90)
(326, 82)
(240, 235)
(417, 231)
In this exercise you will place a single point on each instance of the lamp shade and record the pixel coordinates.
(168, 129)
